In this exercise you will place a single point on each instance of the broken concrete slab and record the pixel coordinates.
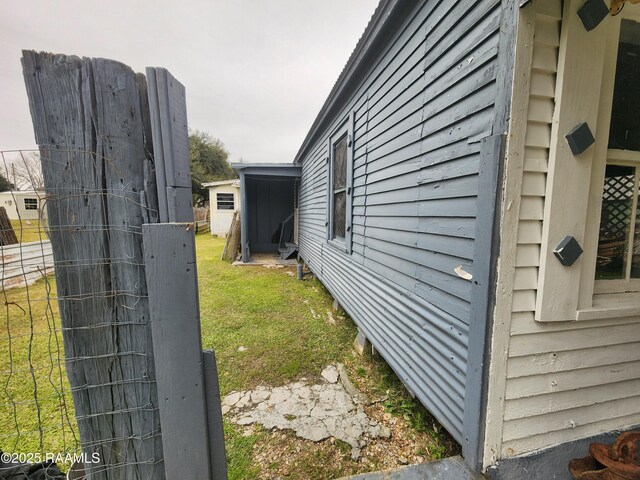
(349, 387)
(314, 412)
(330, 374)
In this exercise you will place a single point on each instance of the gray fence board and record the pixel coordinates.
(171, 144)
(214, 417)
(158, 149)
(175, 320)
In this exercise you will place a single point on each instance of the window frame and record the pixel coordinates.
(218, 202)
(627, 284)
(613, 298)
(344, 128)
(32, 205)
(573, 194)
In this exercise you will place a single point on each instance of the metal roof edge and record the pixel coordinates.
(221, 182)
(242, 166)
(386, 11)
(268, 169)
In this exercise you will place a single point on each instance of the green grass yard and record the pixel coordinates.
(29, 230)
(34, 390)
(282, 325)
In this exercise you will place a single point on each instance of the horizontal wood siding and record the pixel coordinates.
(565, 380)
(420, 113)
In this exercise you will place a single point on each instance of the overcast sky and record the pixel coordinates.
(256, 71)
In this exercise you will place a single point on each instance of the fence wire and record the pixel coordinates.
(82, 338)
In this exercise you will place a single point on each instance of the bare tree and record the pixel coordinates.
(25, 171)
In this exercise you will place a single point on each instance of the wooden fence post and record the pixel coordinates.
(89, 122)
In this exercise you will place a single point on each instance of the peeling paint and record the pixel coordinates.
(462, 273)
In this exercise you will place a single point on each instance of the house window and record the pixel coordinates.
(339, 187)
(225, 201)
(339, 190)
(30, 203)
(618, 256)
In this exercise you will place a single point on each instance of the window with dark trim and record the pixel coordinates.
(339, 188)
(225, 201)
(339, 201)
(30, 203)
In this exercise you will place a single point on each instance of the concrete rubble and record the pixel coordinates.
(314, 412)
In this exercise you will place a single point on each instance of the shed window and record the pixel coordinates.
(225, 201)
(618, 257)
(30, 203)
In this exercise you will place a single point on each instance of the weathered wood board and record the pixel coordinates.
(173, 294)
(218, 455)
(89, 119)
(168, 108)
(7, 235)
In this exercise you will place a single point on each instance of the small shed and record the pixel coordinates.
(224, 200)
(23, 204)
(269, 202)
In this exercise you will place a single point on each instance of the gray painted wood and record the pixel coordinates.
(180, 204)
(168, 110)
(175, 132)
(94, 172)
(487, 242)
(422, 107)
(170, 261)
(485, 264)
(452, 468)
(159, 170)
(214, 417)
(244, 223)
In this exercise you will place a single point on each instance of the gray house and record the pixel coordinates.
(469, 195)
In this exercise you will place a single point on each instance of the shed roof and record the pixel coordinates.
(39, 193)
(234, 182)
(268, 169)
(385, 19)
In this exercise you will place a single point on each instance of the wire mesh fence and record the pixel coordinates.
(82, 339)
(77, 367)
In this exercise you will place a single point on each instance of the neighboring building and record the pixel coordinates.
(224, 200)
(437, 181)
(24, 205)
(269, 193)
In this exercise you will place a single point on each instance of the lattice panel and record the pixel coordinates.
(617, 201)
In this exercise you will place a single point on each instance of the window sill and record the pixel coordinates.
(338, 245)
(611, 305)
